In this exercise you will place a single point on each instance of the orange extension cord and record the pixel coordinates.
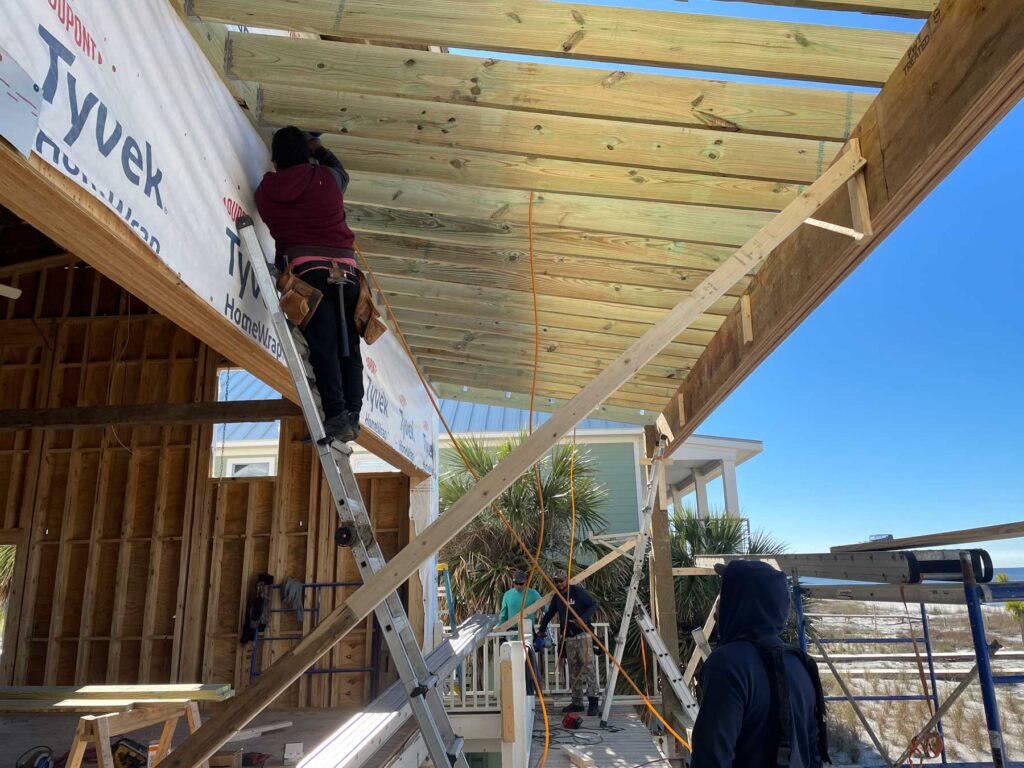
(535, 565)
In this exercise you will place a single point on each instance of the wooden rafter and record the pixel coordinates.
(546, 88)
(657, 38)
(590, 139)
(466, 288)
(368, 157)
(513, 237)
(496, 208)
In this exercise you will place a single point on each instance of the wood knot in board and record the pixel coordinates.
(578, 17)
(515, 17)
(573, 40)
(613, 78)
(714, 121)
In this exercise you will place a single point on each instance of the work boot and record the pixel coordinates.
(592, 709)
(573, 707)
(339, 427)
(353, 421)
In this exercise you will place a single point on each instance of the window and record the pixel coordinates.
(244, 449)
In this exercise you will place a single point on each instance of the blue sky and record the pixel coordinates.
(897, 407)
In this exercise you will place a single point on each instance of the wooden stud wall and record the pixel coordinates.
(137, 566)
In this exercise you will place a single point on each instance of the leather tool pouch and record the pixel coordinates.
(299, 299)
(367, 316)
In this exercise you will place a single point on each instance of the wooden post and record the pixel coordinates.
(700, 488)
(729, 488)
(663, 593)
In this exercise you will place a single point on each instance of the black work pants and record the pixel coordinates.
(339, 378)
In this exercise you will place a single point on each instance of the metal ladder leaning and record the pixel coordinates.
(668, 666)
(355, 529)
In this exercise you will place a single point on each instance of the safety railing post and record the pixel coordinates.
(988, 687)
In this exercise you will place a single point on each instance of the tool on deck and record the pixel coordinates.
(665, 661)
(355, 529)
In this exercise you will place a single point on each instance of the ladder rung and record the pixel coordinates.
(454, 749)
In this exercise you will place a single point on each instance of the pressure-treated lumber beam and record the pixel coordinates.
(554, 342)
(514, 260)
(575, 30)
(505, 398)
(428, 344)
(548, 239)
(811, 113)
(702, 150)
(531, 172)
(465, 289)
(600, 332)
(497, 207)
(577, 578)
(965, 536)
(915, 9)
(135, 415)
(332, 627)
(70, 215)
(520, 358)
(493, 284)
(960, 78)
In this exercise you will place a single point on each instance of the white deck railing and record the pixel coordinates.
(476, 685)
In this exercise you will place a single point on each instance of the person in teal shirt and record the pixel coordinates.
(512, 600)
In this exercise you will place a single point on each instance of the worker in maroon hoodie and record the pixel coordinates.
(302, 202)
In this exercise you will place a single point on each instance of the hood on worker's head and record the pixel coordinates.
(288, 184)
(755, 601)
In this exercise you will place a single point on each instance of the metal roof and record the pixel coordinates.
(236, 384)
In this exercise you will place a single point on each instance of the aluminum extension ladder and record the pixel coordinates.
(355, 529)
(668, 666)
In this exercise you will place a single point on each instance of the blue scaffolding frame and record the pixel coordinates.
(974, 596)
(314, 611)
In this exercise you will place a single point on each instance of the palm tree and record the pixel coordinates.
(483, 556)
(693, 536)
(6, 581)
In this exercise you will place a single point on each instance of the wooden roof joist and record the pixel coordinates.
(453, 344)
(530, 87)
(496, 209)
(597, 140)
(915, 9)
(493, 295)
(464, 322)
(522, 355)
(679, 356)
(505, 170)
(576, 30)
(517, 260)
(565, 369)
(502, 315)
(548, 239)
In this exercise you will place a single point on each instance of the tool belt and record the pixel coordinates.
(367, 317)
(299, 299)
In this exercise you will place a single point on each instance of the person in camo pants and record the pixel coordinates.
(578, 645)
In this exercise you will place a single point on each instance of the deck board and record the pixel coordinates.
(625, 743)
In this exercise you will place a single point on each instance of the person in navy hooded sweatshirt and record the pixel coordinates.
(761, 704)
(302, 203)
